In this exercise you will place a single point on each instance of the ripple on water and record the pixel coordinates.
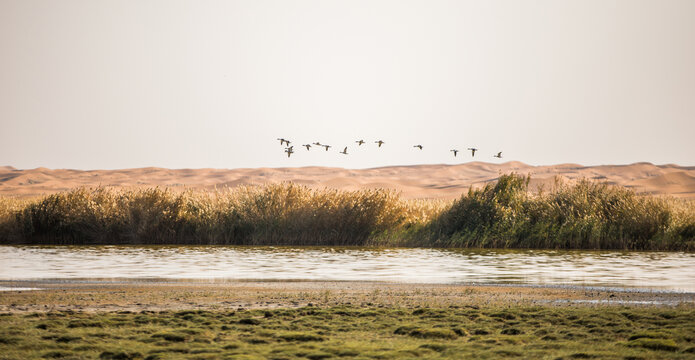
(664, 270)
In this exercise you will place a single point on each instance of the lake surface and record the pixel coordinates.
(656, 270)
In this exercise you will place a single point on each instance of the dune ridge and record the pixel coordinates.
(413, 181)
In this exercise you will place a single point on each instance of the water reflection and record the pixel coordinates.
(631, 269)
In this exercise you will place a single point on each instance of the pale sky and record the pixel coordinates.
(99, 84)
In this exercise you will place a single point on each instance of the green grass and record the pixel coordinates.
(355, 333)
(586, 215)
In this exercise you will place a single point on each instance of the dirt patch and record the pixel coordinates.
(159, 296)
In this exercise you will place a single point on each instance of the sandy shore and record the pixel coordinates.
(157, 296)
(418, 181)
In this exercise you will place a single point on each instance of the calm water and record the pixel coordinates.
(659, 270)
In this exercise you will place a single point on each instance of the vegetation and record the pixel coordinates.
(585, 215)
(355, 332)
(273, 214)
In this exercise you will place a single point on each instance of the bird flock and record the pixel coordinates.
(289, 149)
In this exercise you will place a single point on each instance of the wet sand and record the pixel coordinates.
(158, 296)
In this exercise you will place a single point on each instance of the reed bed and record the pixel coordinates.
(585, 215)
(280, 214)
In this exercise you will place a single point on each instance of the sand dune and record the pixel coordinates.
(417, 181)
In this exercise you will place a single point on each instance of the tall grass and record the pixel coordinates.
(505, 214)
(586, 215)
(269, 215)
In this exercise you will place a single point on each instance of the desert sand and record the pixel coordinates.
(413, 182)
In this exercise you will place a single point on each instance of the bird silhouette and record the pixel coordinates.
(290, 149)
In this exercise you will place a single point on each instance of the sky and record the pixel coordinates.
(108, 84)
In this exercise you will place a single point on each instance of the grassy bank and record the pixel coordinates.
(355, 332)
(585, 215)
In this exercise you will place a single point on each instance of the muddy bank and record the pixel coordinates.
(94, 296)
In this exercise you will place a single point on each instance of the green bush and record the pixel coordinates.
(586, 215)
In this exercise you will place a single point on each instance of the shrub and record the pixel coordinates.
(504, 214)
(586, 215)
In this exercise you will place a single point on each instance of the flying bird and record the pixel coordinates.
(307, 146)
(359, 142)
(473, 150)
(326, 146)
(344, 151)
(282, 141)
(379, 142)
(418, 146)
(318, 144)
(289, 151)
(499, 155)
(454, 151)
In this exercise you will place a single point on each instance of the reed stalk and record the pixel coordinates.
(583, 215)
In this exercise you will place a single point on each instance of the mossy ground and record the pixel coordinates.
(355, 332)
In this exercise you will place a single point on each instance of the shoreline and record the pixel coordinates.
(54, 283)
(162, 296)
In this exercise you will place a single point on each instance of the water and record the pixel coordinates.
(655, 270)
